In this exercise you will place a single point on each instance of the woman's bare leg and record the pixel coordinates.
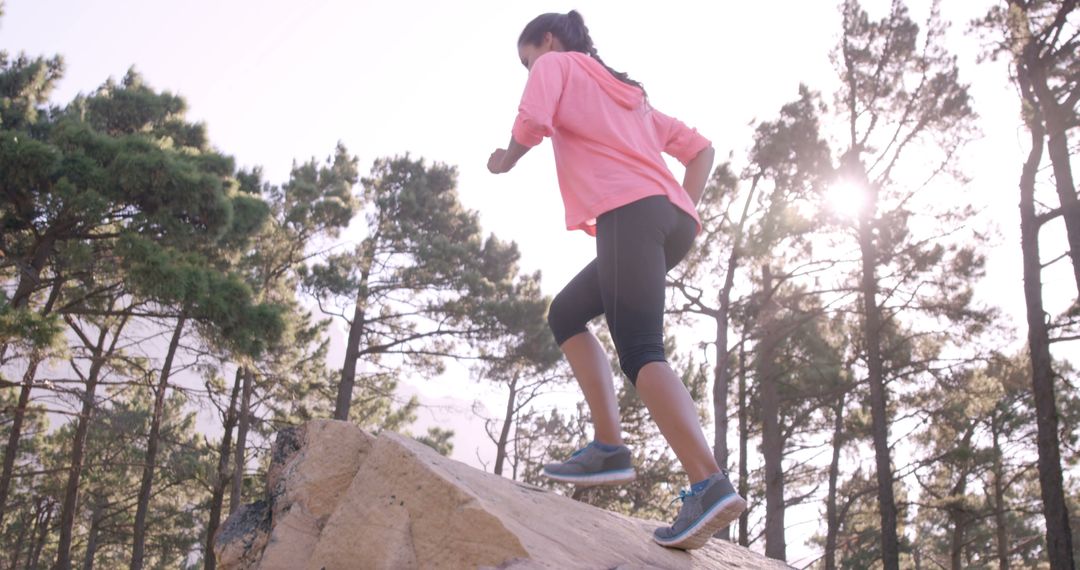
(593, 372)
(674, 412)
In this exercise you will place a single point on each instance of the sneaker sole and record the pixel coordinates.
(720, 515)
(594, 479)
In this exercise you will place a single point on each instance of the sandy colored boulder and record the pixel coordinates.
(310, 467)
(405, 506)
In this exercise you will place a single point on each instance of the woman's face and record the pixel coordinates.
(528, 52)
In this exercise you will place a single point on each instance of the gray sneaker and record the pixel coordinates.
(592, 466)
(702, 514)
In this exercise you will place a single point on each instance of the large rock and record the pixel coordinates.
(338, 498)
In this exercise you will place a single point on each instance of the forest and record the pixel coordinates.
(851, 373)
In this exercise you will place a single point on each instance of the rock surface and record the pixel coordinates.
(338, 498)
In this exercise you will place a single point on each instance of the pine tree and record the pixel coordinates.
(1042, 43)
(519, 350)
(32, 496)
(406, 292)
(980, 490)
(315, 204)
(899, 90)
(25, 85)
(99, 353)
(787, 159)
(80, 175)
(114, 452)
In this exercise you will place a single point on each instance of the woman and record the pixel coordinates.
(615, 186)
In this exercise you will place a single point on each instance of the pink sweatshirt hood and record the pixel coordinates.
(624, 94)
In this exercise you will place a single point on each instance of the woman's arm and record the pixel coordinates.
(697, 173)
(535, 112)
(502, 160)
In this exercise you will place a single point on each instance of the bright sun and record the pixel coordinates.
(846, 200)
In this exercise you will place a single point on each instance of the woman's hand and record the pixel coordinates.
(503, 159)
(497, 162)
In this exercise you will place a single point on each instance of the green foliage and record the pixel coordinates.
(108, 167)
(315, 203)
(25, 85)
(438, 439)
(132, 107)
(295, 377)
(516, 349)
(378, 412)
(29, 494)
(116, 192)
(187, 280)
(980, 429)
(418, 281)
(516, 337)
(29, 328)
(116, 450)
(317, 199)
(112, 467)
(789, 156)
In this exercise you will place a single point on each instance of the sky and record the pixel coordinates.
(283, 81)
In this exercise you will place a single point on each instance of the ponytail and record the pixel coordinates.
(573, 34)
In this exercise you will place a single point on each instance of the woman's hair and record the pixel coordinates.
(572, 33)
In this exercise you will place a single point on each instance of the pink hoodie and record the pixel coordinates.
(607, 138)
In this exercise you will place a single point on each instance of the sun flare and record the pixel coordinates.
(846, 200)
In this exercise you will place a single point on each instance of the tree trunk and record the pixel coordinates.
(958, 513)
(744, 445)
(343, 404)
(721, 388)
(1058, 535)
(241, 440)
(78, 446)
(12, 448)
(831, 518)
(504, 435)
(1002, 530)
(95, 529)
(28, 518)
(890, 544)
(31, 276)
(352, 348)
(771, 439)
(722, 371)
(517, 453)
(147, 483)
(1057, 145)
(43, 532)
(217, 497)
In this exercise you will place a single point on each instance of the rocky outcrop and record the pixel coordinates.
(338, 498)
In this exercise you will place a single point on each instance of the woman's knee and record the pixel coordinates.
(563, 322)
(637, 352)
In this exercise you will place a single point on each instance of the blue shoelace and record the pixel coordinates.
(683, 495)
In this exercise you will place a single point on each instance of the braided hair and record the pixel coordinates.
(574, 36)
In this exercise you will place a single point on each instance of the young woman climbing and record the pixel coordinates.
(615, 186)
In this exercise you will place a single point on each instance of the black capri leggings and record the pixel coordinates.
(636, 245)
